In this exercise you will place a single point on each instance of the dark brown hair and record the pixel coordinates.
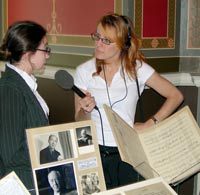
(21, 36)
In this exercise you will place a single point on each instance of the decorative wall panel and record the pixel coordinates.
(155, 23)
(193, 24)
(68, 22)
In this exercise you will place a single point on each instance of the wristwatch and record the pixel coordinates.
(154, 120)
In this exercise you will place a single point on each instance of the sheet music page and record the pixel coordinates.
(11, 185)
(154, 189)
(173, 146)
(155, 186)
(129, 145)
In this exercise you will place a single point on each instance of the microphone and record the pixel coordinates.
(66, 81)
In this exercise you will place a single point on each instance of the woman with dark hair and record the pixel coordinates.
(25, 49)
(116, 76)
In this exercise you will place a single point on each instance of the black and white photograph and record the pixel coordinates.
(54, 147)
(90, 183)
(58, 179)
(84, 136)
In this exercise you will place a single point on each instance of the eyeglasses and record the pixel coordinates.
(97, 37)
(47, 50)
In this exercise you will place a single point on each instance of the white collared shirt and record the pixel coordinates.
(121, 95)
(31, 82)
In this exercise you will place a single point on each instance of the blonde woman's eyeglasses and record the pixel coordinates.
(97, 37)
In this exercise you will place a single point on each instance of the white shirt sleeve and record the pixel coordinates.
(144, 72)
(83, 74)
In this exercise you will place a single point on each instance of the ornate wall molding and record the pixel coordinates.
(193, 24)
(178, 79)
(162, 18)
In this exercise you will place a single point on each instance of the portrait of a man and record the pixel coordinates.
(57, 185)
(56, 180)
(50, 154)
(84, 138)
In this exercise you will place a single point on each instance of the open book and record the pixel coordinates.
(170, 149)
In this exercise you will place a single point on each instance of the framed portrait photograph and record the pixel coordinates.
(53, 178)
(53, 147)
(61, 155)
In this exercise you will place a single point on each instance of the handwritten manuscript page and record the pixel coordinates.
(170, 149)
(173, 146)
(155, 186)
(129, 144)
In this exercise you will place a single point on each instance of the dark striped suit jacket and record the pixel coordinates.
(19, 110)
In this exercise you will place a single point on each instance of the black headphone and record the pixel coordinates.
(128, 42)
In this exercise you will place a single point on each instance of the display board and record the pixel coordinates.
(68, 150)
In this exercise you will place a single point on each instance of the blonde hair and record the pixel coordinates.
(125, 39)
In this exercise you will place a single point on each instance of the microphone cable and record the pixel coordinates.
(101, 122)
(112, 104)
(126, 92)
(66, 81)
(109, 99)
